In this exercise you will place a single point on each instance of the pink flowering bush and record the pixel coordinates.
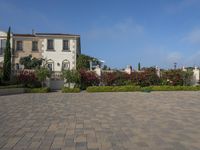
(88, 78)
(147, 77)
(115, 78)
(28, 79)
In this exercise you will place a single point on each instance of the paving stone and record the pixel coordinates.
(34, 145)
(93, 145)
(100, 121)
(12, 142)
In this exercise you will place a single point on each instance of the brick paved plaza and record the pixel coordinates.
(101, 121)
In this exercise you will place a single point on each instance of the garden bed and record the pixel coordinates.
(142, 89)
(11, 86)
(9, 91)
(70, 90)
(171, 88)
(38, 90)
(113, 89)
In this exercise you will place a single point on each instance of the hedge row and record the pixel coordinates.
(142, 89)
(113, 88)
(70, 90)
(11, 86)
(172, 88)
(38, 90)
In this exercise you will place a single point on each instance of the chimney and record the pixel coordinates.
(33, 32)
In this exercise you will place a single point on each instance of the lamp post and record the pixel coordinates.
(175, 65)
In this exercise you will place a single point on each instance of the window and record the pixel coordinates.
(19, 46)
(50, 45)
(50, 66)
(35, 46)
(65, 45)
(65, 65)
(2, 46)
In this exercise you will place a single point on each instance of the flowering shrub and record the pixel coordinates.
(42, 73)
(176, 77)
(72, 76)
(108, 78)
(88, 78)
(28, 79)
(115, 78)
(146, 77)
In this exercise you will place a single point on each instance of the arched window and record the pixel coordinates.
(65, 65)
(50, 64)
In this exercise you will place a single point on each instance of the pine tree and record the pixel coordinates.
(7, 58)
(139, 67)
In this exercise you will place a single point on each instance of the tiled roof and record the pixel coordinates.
(43, 34)
(25, 35)
(56, 34)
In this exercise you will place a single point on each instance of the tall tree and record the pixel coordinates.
(83, 62)
(42, 74)
(7, 58)
(139, 66)
(30, 63)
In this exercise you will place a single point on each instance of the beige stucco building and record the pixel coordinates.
(59, 51)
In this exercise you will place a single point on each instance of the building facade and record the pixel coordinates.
(59, 51)
(3, 37)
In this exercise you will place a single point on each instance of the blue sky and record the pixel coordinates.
(121, 32)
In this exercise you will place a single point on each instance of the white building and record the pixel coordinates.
(59, 51)
(3, 37)
(196, 76)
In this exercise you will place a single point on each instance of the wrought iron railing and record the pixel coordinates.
(56, 75)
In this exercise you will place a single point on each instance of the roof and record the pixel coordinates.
(62, 34)
(43, 34)
(24, 35)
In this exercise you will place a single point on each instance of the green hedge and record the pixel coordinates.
(70, 90)
(38, 90)
(11, 86)
(113, 88)
(171, 88)
(142, 89)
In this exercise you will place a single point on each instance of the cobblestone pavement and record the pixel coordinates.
(101, 121)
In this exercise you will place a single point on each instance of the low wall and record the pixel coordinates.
(10, 91)
(55, 84)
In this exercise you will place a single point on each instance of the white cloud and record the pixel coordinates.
(124, 28)
(193, 37)
(17, 16)
(194, 59)
(183, 60)
(174, 57)
(181, 5)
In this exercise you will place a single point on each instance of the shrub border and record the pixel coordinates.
(70, 90)
(113, 89)
(93, 89)
(11, 91)
(38, 90)
(11, 86)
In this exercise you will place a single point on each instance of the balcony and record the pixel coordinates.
(56, 75)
